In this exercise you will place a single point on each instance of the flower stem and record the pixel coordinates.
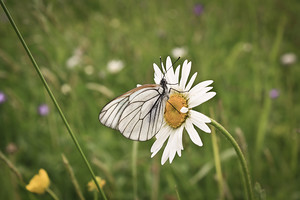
(72, 176)
(217, 164)
(50, 94)
(134, 168)
(240, 156)
(11, 167)
(52, 194)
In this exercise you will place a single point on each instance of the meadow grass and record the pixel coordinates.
(238, 44)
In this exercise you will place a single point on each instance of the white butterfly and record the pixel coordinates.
(137, 114)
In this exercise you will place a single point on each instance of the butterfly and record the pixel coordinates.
(138, 113)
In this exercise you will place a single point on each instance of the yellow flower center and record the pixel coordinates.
(173, 116)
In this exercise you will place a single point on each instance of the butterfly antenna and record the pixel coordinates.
(161, 65)
(173, 64)
(174, 107)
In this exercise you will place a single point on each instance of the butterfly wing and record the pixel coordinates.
(111, 112)
(137, 114)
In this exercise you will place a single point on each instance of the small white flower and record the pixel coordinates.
(66, 88)
(75, 59)
(178, 112)
(288, 58)
(114, 66)
(179, 52)
(89, 69)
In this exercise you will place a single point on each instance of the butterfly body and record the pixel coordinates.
(138, 113)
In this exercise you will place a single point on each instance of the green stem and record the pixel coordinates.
(177, 193)
(134, 168)
(52, 194)
(72, 176)
(50, 94)
(217, 163)
(240, 156)
(11, 167)
(95, 195)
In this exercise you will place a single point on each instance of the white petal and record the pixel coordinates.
(179, 152)
(177, 74)
(188, 87)
(180, 133)
(157, 74)
(199, 116)
(201, 125)
(176, 144)
(170, 76)
(200, 91)
(193, 133)
(179, 138)
(168, 63)
(199, 99)
(160, 141)
(200, 86)
(184, 110)
(162, 67)
(165, 155)
(186, 68)
(173, 147)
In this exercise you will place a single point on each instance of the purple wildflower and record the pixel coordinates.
(2, 97)
(43, 109)
(274, 93)
(198, 9)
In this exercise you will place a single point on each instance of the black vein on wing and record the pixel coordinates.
(116, 106)
(159, 97)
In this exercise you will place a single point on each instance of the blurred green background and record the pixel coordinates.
(92, 51)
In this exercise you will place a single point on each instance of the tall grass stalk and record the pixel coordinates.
(72, 176)
(134, 168)
(11, 167)
(50, 94)
(217, 162)
(262, 128)
(241, 157)
(177, 193)
(52, 194)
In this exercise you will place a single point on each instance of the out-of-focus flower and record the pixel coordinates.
(114, 66)
(43, 109)
(247, 47)
(274, 93)
(179, 52)
(39, 183)
(11, 148)
(115, 23)
(75, 59)
(66, 89)
(89, 69)
(100, 88)
(92, 186)
(198, 9)
(288, 58)
(2, 97)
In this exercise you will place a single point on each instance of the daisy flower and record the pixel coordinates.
(179, 113)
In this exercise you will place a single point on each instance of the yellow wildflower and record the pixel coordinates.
(39, 182)
(92, 186)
